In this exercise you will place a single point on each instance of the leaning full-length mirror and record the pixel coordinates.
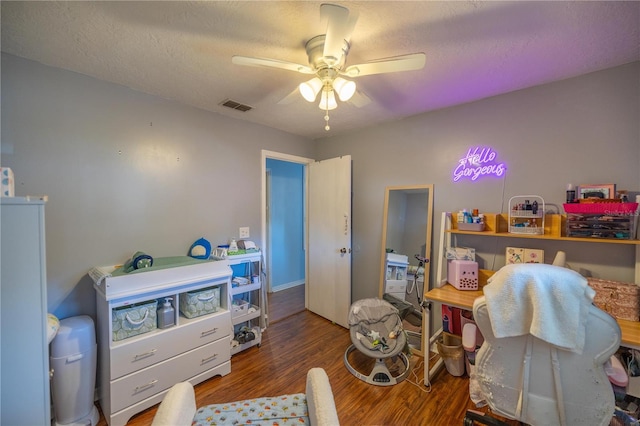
(406, 252)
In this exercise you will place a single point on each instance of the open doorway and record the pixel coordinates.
(326, 244)
(285, 223)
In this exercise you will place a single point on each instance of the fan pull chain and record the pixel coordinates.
(326, 117)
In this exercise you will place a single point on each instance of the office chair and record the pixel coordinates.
(525, 377)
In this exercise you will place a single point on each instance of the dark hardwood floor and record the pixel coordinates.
(297, 342)
(285, 303)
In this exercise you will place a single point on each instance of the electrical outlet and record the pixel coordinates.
(244, 232)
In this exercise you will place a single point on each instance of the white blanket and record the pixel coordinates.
(549, 302)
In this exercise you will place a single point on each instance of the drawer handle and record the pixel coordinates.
(211, 358)
(208, 332)
(145, 355)
(145, 387)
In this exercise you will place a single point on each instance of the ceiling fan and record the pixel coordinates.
(327, 55)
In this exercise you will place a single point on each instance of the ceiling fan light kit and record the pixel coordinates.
(310, 89)
(345, 88)
(327, 55)
(328, 101)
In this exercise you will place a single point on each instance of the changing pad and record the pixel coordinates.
(161, 263)
(281, 410)
(167, 272)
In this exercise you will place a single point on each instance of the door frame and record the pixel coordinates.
(265, 154)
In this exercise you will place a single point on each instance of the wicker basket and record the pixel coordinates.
(621, 300)
(200, 302)
(131, 320)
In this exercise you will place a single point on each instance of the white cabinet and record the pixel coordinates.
(247, 301)
(136, 372)
(25, 393)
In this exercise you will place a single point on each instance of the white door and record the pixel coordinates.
(329, 237)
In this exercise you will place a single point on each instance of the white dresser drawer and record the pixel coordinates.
(395, 286)
(136, 387)
(141, 352)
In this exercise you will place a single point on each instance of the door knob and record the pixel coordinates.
(344, 250)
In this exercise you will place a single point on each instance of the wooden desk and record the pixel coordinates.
(448, 295)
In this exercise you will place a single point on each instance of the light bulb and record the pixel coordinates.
(328, 100)
(309, 89)
(345, 88)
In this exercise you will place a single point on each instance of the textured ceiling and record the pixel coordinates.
(182, 50)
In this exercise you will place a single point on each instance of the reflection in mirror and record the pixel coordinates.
(406, 250)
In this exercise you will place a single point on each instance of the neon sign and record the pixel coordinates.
(478, 162)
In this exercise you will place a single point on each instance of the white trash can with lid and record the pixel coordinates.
(73, 360)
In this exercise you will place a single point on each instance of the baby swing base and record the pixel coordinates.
(380, 374)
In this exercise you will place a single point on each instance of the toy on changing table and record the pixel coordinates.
(139, 260)
(200, 249)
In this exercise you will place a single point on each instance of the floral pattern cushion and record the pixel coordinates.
(282, 410)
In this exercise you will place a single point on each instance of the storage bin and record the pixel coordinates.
(618, 226)
(239, 307)
(526, 215)
(620, 299)
(131, 320)
(601, 208)
(601, 220)
(476, 227)
(200, 302)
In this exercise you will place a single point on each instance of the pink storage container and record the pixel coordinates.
(601, 208)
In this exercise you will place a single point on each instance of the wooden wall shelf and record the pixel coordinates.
(497, 225)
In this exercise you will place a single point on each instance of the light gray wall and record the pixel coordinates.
(125, 171)
(580, 130)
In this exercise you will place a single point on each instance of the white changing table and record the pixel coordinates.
(135, 373)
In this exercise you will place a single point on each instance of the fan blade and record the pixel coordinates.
(271, 63)
(339, 28)
(411, 62)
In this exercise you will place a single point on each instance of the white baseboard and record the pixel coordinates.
(285, 286)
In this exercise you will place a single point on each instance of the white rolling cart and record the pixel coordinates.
(246, 300)
(395, 282)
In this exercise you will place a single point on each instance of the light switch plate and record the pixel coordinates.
(244, 232)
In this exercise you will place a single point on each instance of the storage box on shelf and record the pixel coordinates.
(247, 299)
(526, 215)
(601, 220)
(136, 370)
(621, 300)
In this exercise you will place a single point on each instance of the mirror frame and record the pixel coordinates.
(428, 238)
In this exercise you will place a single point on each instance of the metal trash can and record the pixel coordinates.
(73, 361)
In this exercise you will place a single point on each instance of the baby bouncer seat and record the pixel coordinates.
(376, 331)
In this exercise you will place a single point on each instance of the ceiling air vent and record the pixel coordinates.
(236, 105)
